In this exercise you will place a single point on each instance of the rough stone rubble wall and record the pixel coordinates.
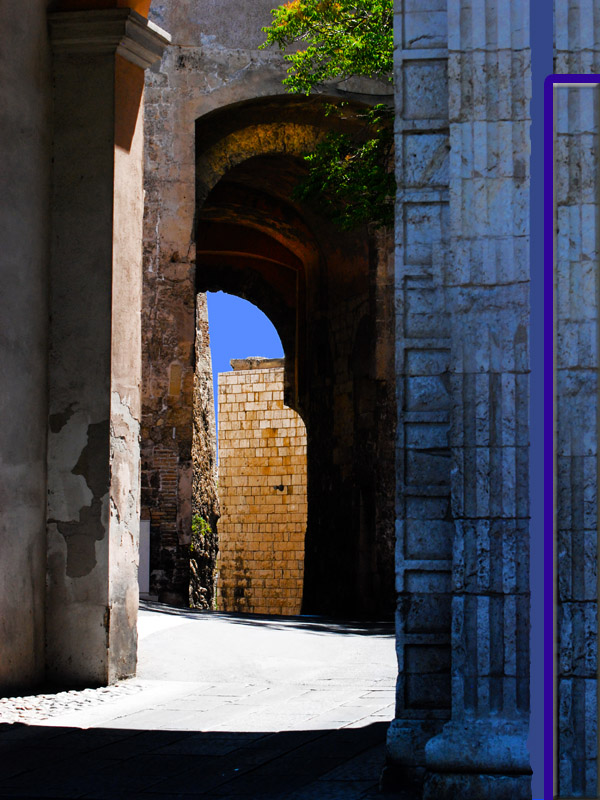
(205, 501)
(262, 488)
(576, 276)
(199, 73)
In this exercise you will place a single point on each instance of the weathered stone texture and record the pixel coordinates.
(262, 487)
(212, 62)
(486, 289)
(576, 37)
(423, 523)
(461, 287)
(576, 324)
(223, 154)
(95, 354)
(205, 500)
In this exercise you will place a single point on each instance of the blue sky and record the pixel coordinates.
(238, 330)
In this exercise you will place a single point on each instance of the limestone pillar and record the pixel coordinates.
(577, 270)
(577, 364)
(482, 751)
(423, 523)
(95, 341)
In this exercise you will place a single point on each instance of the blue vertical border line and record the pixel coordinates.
(549, 667)
(550, 676)
(541, 32)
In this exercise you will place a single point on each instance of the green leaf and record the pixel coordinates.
(350, 178)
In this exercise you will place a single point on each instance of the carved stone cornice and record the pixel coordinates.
(118, 30)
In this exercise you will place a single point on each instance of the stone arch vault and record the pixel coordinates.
(322, 288)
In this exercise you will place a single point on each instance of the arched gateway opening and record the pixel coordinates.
(328, 293)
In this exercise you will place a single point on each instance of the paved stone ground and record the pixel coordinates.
(224, 706)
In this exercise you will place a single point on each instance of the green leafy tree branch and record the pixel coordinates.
(350, 177)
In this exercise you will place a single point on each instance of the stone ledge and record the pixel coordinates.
(256, 362)
(118, 30)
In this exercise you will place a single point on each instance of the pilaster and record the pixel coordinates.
(576, 326)
(423, 522)
(576, 282)
(482, 751)
(95, 341)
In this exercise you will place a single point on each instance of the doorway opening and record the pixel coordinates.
(329, 295)
(252, 558)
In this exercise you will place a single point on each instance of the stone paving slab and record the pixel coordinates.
(285, 710)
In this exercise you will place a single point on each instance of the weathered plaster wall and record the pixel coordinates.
(24, 231)
(94, 365)
(126, 368)
(262, 488)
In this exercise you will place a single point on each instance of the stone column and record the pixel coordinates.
(482, 751)
(423, 523)
(577, 271)
(95, 341)
(577, 363)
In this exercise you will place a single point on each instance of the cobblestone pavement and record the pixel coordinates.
(228, 706)
(40, 707)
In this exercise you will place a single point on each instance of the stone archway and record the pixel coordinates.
(321, 288)
(328, 294)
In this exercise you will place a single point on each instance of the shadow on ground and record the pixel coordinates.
(315, 624)
(109, 764)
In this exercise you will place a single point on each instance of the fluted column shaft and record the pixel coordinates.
(482, 752)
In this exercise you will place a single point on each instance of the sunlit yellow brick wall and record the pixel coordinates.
(262, 492)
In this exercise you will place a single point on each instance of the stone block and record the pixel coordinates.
(577, 635)
(425, 29)
(423, 228)
(428, 613)
(425, 90)
(420, 362)
(426, 435)
(576, 408)
(577, 556)
(427, 691)
(431, 468)
(577, 725)
(427, 393)
(577, 492)
(426, 159)
(428, 538)
(577, 344)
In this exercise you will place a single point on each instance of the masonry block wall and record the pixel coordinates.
(576, 275)
(212, 62)
(262, 490)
